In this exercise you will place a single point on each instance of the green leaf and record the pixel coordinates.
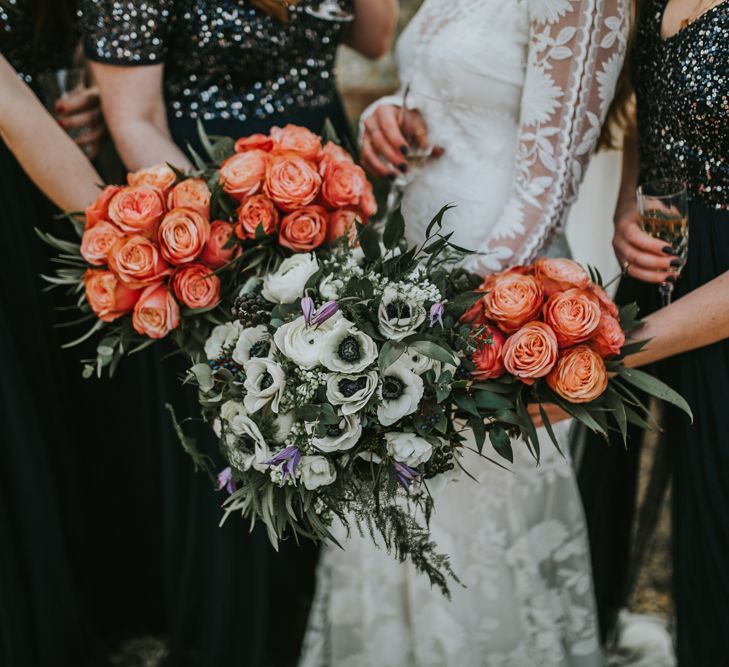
(367, 236)
(501, 443)
(438, 219)
(432, 351)
(465, 402)
(204, 376)
(479, 432)
(391, 351)
(655, 387)
(394, 230)
(309, 413)
(549, 429)
(616, 405)
(490, 401)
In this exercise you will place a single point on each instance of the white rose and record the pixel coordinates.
(400, 392)
(330, 287)
(316, 471)
(398, 317)
(232, 409)
(282, 425)
(265, 381)
(286, 284)
(222, 337)
(351, 392)
(253, 342)
(408, 448)
(303, 343)
(346, 349)
(339, 437)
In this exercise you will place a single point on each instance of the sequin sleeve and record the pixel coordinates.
(126, 32)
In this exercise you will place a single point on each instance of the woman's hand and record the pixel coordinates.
(79, 113)
(554, 413)
(645, 257)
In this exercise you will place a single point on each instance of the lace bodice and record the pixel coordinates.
(516, 93)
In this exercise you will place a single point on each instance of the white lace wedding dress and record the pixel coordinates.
(515, 91)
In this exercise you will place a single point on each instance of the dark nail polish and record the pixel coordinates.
(669, 250)
(391, 177)
(676, 263)
(404, 149)
(402, 167)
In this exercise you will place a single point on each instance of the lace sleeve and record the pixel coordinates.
(126, 32)
(576, 51)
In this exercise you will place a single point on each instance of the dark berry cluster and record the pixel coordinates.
(224, 361)
(251, 310)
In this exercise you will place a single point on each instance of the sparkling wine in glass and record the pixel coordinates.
(330, 10)
(663, 211)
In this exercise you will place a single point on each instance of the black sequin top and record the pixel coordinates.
(223, 59)
(33, 46)
(682, 92)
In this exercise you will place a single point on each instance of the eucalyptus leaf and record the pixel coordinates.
(391, 351)
(204, 376)
(501, 443)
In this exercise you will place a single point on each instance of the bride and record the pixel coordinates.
(513, 95)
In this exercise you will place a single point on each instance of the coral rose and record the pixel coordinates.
(574, 315)
(297, 139)
(108, 298)
(216, 253)
(137, 261)
(367, 202)
(344, 185)
(513, 300)
(609, 337)
(332, 153)
(191, 193)
(182, 235)
(531, 352)
(489, 356)
(579, 376)
(137, 209)
(341, 223)
(159, 176)
(97, 241)
(255, 211)
(292, 181)
(476, 314)
(196, 286)
(156, 313)
(243, 174)
(560, 274)
(606, 303)
(260, 142)
(99, 210)
(304, 230)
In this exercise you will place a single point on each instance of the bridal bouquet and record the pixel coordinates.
(167, 253)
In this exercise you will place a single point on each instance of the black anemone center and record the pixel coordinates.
(397, 310)
(334, 430)
(349, 388)
(392, 388)
(260, 349)
(349, 350)
(266, 380)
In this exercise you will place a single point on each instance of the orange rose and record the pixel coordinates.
(261, 142)
(297, 139)
(108, 298)
(579, 376)
(160, 176)
(341, 223)
(292, 181)
(609, 338)
(196, 286)
(332, 153)
(304, 230)
(99, 210)
(476, 314)
(137, 209)
(606, 303)
(182, 235)
(97, 241)
(531, 352)
(191, 193)
(255, 211)
(489, 357)
(156, 313)
(216, 254)
(136, 261)
(560, 274)
(574, 315)
(344, 185)
(243, 174)
(513, 300)
(367, 202)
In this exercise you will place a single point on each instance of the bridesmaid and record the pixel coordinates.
(240, 67)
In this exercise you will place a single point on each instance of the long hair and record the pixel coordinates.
(56, 15)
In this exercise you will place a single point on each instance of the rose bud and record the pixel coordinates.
(156, 313)
(243, 174)
(99, 210)
(159, 176)
(107, 297)
(304, 230)
(609, 337)
(216, 254)
(137, 210)
(297, 139)
(344, 185)
(254, 211)
(574, 315)
(579, 376)
(513, 300)
(137, 261)
(97, 242)
(341, 223)
(292, 181)
(196, 286)
(191, 193)
(531, 352)
(489, 357)
(560, 274)
(182, 235)
(261, 142)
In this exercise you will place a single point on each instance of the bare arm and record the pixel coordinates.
(133, 105)
(373, 28)
(47, 154)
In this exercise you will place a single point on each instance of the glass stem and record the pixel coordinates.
(666, 290)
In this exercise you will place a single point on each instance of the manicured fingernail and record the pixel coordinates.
(402, 167)
(669, 250)
(676, 262)
(404, 149)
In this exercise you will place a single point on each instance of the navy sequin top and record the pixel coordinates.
(224, 59)
(682, 94)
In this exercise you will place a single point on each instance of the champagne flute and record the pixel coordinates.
(56, 84)
(330, 10)
(663, 212)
